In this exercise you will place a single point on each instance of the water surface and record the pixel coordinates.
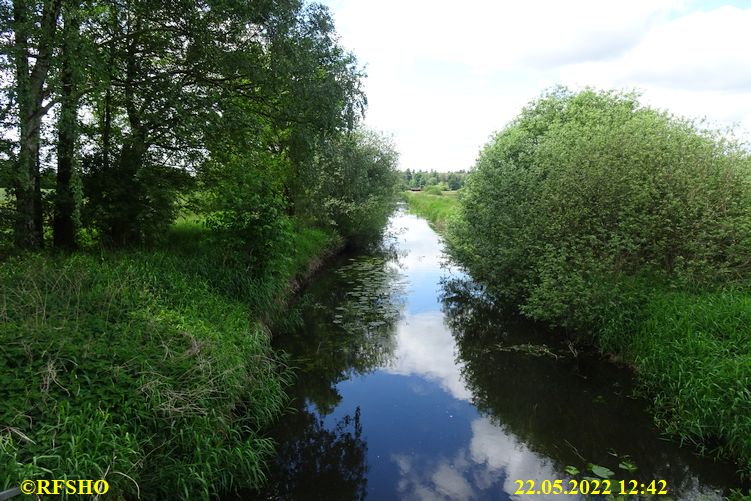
(412, 385)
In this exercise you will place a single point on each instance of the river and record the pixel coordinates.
(410, 384)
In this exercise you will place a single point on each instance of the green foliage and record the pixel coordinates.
(596, 213)
(600, 471)
(585, 193)
(247, 212)
(353, 185)
(694, 356)
(135, 205)
(434, 190)
(422, 179)
(143, 368)
(171, 89)
(438, 209)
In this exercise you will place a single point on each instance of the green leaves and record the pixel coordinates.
(572, 470)
(586, 192)
(596, 213)
(600, 471)
(628, 466)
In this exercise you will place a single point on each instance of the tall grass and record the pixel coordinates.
(693, 354)
(149, 369)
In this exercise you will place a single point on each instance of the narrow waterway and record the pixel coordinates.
(411, 385)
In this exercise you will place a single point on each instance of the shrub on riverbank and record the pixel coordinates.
(584, 193)
(143, 367)
(593, 212)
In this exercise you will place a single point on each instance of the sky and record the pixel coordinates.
(444, 76)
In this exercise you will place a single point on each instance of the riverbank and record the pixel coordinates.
(437, 209)
(151, 369)
(691, 352)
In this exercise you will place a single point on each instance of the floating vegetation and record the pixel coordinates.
(600, 471)
(375, 297)
(536, 350)
(363, 318)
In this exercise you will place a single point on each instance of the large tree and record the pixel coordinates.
(34, 25)
(247, 91)
(63, 228)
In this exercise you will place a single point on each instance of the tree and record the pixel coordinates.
(34, 25)
(355, 184)
(63, 228)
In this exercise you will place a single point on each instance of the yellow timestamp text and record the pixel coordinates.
(574, 487)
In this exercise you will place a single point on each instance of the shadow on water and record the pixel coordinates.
(411, 384)
(574, 408)
(320, 458)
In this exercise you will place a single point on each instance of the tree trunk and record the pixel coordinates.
(124, 226)
(30, 86)
(63, 226)
(22, 180)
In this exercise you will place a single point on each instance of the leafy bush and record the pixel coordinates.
(353, 185)
(596, 213)
(131, 204)
(586, 193)
(434, 190)
(245, 206)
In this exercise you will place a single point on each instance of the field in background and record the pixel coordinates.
(437, 207)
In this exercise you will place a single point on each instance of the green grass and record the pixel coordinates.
(151, 369)
(438, 209)
(693, 356)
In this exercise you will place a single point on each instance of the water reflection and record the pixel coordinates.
(560, 409)
(320, 458)
(412, 385)
(423, 347)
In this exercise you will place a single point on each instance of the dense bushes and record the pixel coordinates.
(352, 185)
(595, 213)
(585, 197)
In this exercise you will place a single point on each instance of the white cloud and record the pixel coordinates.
(444, 75)
(425, 347)
(492, 454)
(701, 51)
(697, 65)
(491, 36)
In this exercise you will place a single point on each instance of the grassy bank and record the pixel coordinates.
(151, 369)
(692, 352)
(438, 209)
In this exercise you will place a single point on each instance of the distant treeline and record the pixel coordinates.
(412, 179)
